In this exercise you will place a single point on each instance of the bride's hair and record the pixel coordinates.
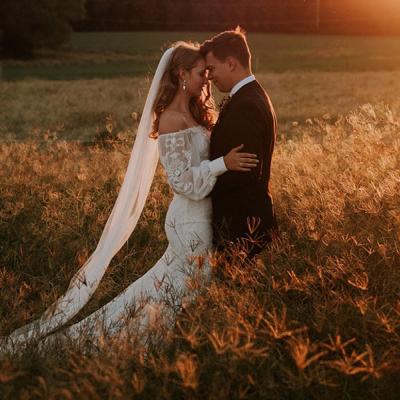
(185, 55)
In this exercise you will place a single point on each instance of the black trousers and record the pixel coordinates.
(249, 236)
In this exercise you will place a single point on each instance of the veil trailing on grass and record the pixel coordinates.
(120, 224)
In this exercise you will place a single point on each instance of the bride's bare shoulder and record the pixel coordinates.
(171, 121)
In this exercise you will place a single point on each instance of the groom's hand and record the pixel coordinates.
(236, 161)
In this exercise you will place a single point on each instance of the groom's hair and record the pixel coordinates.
(229, 43)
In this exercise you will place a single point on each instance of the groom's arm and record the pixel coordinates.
(248, 125)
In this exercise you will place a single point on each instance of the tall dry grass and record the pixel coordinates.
(317, 318)
(78, 109)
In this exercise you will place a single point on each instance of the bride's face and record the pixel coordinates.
(197, 78)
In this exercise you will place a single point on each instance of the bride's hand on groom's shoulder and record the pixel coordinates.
(237, 161)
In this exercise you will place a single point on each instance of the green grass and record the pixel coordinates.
(136, 53)
(77, 71)
(101, 74)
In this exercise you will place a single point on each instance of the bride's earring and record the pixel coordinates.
(184, 85)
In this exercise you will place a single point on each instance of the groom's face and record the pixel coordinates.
(218, 72)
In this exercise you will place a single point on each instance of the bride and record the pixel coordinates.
(175, 127)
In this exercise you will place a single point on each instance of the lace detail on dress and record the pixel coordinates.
(180, 155)
(178, 160)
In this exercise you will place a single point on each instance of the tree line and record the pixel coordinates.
(301, 16)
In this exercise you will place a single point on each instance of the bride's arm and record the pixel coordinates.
(194, 182)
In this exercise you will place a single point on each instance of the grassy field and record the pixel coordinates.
(128, 54)
(318, 318)
(79, 109)
(306, 76)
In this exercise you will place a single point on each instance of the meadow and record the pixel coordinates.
(105, 76)
(111, 54)
(317, 318)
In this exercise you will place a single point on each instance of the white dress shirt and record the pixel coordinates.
(217, 166)
(241, 83)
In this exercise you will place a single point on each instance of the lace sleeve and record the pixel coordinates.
(195, 182)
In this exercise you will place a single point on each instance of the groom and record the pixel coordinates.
(243, 212)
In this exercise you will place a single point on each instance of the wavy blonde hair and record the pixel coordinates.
(186, 55)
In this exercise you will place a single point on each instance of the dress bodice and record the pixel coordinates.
(195, 139)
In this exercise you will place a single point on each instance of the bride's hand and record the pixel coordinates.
(236, 161)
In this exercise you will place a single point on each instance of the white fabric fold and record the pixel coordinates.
(120, 224)
(217, 166)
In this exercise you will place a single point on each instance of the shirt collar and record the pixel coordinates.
(241, 83)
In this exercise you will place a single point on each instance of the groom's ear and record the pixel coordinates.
(232, 63)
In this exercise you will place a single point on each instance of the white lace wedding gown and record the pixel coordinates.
(185, 157)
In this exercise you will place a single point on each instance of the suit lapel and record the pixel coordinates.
(218, 132)
(240, 93)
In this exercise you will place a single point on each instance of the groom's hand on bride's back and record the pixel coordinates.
(237, 161)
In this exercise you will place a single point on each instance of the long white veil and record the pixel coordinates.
(120, 224)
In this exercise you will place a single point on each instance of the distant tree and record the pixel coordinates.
(306, 16)
(27, 25)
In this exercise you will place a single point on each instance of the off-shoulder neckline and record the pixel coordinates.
(180, 131)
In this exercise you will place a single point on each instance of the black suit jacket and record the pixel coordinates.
(248, 118)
